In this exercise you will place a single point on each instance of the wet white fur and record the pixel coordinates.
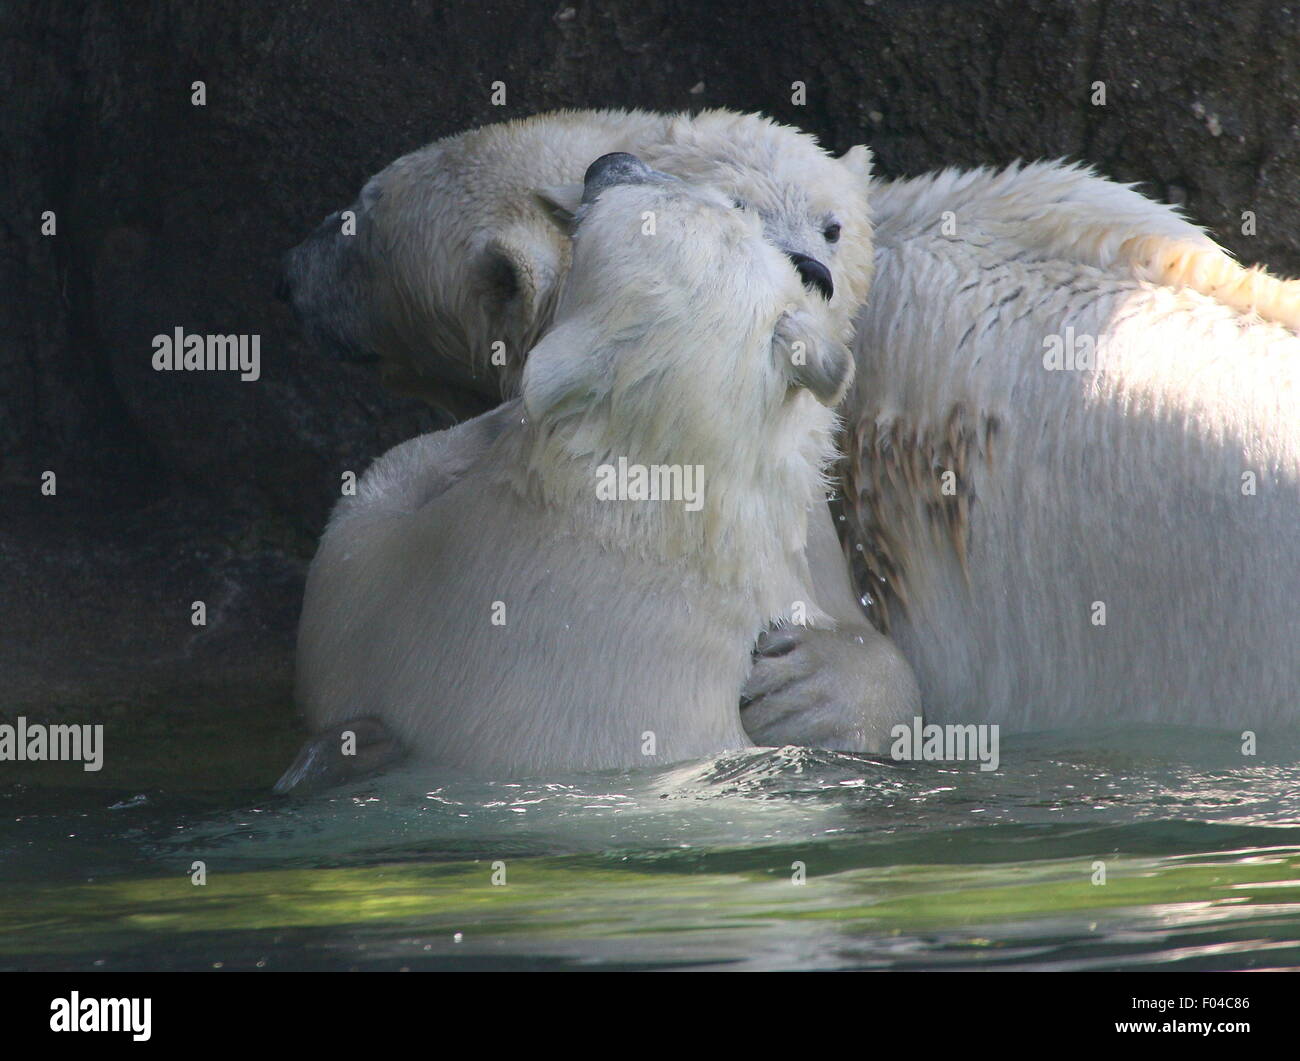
(1120, 484)
(622, 619)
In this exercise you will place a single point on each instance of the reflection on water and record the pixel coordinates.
(1148, 848)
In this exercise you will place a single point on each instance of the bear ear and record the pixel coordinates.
(561, 202)
(560, 377)
(858, 161)
(520, 276)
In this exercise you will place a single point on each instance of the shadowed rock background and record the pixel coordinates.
(182, 487)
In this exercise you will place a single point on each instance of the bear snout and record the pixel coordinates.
(814, 275)
(617, 167)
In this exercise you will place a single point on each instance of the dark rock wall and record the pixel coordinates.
(171, 214)
(174, 215)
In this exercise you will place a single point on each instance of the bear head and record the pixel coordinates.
(682, 336)
(448, 266)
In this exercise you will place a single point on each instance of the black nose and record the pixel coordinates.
(618, 167)
(813, 274)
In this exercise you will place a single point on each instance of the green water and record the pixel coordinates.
(902, 866)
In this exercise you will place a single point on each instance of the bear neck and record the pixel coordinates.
(757, 472)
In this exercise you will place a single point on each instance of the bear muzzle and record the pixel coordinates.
(618, 167)
(813, 275)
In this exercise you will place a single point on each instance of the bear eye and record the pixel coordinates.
(832, 232)
(739, 204)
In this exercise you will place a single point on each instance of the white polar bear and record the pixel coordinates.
(988, 575)
(496, 612)
(450, 262)
(1119, 406)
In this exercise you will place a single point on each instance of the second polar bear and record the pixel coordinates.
(515, 617)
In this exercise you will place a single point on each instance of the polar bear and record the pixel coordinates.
(448, 266)
(507, 616)
(1075, 456)
(972, 560)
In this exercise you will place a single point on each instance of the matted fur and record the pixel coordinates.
(1118, 482)
(1054, 210)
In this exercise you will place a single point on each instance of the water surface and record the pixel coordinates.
(904, 866)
